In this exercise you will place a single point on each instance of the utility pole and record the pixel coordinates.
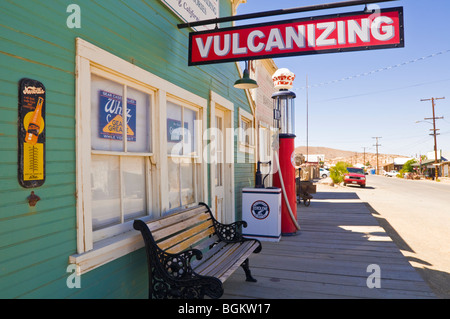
(364, 156)
(307, 119)
(378, 170)
(434, 129)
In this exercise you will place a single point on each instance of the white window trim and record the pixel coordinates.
(89, 255)
(218, 101)
(197, 158)
(244, 147)
(264, 157)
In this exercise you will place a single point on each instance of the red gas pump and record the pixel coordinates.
(284, 123)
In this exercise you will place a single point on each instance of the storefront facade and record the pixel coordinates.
(184, 140)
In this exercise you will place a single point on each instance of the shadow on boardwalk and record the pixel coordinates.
(329, 257)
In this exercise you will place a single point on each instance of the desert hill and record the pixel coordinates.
(332, 156)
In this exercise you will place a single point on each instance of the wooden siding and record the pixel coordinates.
(35, 243)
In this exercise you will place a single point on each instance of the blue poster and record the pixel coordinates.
(111, 117)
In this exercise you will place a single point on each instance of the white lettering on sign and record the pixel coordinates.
(354, 31)
(33, 90)
(194, 10)
(382, 28)
(251, 41)
(323, 40)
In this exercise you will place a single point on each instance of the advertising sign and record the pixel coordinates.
(31, 134)
(111, 117)
(323, 34)
(194, 10)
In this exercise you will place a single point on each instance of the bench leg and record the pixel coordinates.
(248, 274)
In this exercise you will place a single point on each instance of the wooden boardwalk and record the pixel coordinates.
(329, 258)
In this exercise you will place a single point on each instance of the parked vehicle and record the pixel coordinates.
(391, 173)
(355, 176)
(324, 173)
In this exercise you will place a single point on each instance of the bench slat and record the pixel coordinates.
(230, 257)
(166, 221)
(224, 276)
(179, 226)
(206, 244)
(217, 258)
(200, 265)
(189, 242)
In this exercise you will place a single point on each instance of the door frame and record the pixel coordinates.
(219, 102)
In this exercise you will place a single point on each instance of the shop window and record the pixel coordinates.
(120, 151)
(246, 132)
(183, 169)
(264, 144)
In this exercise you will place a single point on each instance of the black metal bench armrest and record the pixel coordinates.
(230, 233)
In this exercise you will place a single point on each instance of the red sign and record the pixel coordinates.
(325, 34)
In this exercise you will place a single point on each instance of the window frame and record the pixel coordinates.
(90, 254)
(195, 158)
(265, 142)
(243, 145)
(124, 226)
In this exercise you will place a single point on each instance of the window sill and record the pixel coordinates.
(106, 251)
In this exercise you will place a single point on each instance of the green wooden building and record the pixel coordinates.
(101, 169)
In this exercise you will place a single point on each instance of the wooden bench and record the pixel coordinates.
(173, 240)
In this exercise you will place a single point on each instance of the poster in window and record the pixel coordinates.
(111, 121)
(174, 131)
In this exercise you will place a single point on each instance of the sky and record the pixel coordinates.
(356, 96)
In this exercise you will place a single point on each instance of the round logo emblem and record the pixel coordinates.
(260, 209)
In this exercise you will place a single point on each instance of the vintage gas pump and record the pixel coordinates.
(284, 155)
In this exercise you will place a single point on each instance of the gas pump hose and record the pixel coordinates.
(284, 193)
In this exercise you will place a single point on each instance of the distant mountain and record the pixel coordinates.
(332, 155)
(329, 153)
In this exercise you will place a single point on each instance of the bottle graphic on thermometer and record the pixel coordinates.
(35, 124)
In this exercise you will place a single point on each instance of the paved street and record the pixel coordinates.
(416, 215)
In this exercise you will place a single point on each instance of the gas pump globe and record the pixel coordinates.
(284, 122)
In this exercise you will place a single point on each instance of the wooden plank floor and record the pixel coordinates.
(328, 258)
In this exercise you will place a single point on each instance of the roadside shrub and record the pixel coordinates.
(407, 168)
(337, 172)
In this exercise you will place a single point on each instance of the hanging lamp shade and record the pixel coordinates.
(245, 82)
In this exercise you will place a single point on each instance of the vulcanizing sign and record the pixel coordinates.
(323, 34)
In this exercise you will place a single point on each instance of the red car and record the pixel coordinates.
(355, 176)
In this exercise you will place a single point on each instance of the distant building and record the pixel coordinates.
(400, 161)
(314, 158)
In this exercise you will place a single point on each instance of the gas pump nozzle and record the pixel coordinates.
(259, 183)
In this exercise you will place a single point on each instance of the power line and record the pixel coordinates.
(378, 70)
(383, 91)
